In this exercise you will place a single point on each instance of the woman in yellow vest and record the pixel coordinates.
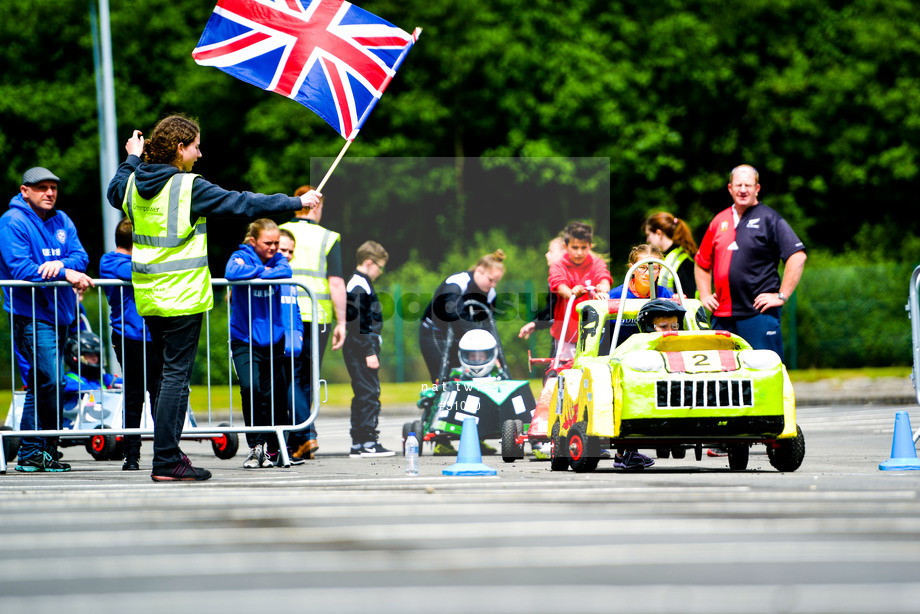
(675, 240)
(168, 206)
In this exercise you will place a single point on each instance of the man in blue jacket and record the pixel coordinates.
(39, 244)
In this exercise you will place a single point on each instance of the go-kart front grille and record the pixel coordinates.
(704, 393)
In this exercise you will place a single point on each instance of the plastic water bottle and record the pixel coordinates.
(411, 452)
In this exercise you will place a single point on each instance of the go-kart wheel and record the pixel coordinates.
(679, 452)
(119, 452)
(558, 459)
(698, 451)
(510, 431)
(417, 429)
(584, 451)
(407, 428)
(787, 454)
(663, 452)
(519, 433)
(738, 454)
(101, 447)
(225, 445)
(10, 445)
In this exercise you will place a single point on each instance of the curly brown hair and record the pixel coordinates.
(163, 145)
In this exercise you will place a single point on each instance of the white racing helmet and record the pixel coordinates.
(478, 353)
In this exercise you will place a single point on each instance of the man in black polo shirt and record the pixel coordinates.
(740, 253)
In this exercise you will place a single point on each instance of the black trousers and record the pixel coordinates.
(365, 384)
(139, 378)
(302, 385)
(263, 388)
(175, 344)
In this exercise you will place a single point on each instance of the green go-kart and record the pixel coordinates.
(501, 406)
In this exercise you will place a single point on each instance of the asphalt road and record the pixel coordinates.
(356, 535)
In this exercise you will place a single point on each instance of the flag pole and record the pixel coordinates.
(338, 159)
(367, 111)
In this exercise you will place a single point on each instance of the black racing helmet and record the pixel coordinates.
(85, 352)
(656, 308)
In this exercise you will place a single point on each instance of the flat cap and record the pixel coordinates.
(37, 174)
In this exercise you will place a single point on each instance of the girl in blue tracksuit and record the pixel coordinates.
(257, 337)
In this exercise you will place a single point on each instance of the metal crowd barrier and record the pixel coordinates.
(220, 425)
(913, 307)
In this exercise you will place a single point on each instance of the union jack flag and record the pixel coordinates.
(329, 55)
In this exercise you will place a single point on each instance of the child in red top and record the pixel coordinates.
(570, 276)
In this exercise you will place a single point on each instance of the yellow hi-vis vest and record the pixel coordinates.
(674, 259)
(169, 263)
(313, 244)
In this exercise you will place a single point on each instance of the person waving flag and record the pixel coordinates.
(329, 55)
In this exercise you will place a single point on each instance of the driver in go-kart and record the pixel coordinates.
(661, 316)
(478, 355)
(82, 357)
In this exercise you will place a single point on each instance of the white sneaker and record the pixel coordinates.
(254, 460)
(267, 459)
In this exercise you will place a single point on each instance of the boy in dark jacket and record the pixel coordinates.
(363, 322)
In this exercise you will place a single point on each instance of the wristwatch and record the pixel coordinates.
(781, 297)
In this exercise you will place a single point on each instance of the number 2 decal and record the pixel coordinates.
(702, 360)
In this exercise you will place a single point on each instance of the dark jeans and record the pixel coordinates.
(175, 344)
(762, 331)
(262, 387)
(303, 386)
(365, 383)
(41, 345)
(139, 378)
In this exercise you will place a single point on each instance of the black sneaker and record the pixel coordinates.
(41, 461)
(375, 449)
(132, 463)
(295, 460)
(180, 472)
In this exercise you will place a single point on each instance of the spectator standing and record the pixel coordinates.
(168, 205)
(317, 264)
(293, 343)
(140, 365)
(257, 338)
(364, 321)
(740, 252)
(675, 240)
(544, 318)
(571, 276)
(39, 243)
(443, 311)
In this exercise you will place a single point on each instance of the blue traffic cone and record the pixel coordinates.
(903, 452)
(469, 458)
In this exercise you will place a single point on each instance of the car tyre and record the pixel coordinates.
(584, 452)
(558, 459)
(511, 451)
(738, 455)
(101, 447)
(226, 445)
(787, 454)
